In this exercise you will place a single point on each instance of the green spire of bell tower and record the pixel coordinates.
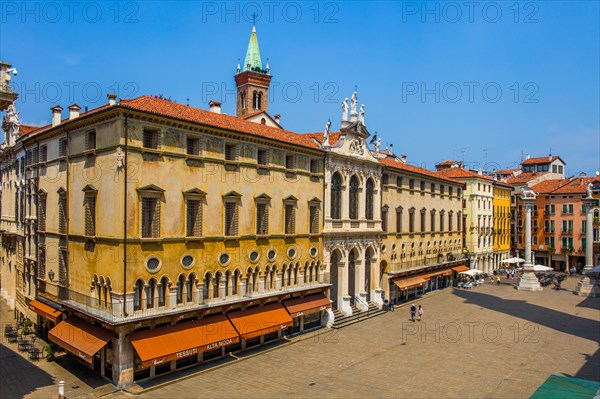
(253, 53)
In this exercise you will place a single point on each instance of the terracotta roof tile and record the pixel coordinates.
(540, 160)
(191, 114)
(506, 171)
(333, 137)
(576, 185)
(547, 186)
(25, 129)
(415, 169)
(524, 177)
(447, 162)
(454, 173)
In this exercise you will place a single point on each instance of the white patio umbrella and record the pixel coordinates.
(472, 272)
(514, 260)
(541, 268)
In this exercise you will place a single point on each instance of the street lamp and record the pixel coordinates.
(51, 275)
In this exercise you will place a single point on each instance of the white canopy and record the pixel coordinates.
(541, 268)
(471, 272)
(513, 260)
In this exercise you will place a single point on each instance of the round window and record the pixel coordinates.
(224, 259)
(313, 251)
(383, 248)
(291, 253)
(187, 261)
(253, 256)
(152, 264)
(271, 255)
(393, 247)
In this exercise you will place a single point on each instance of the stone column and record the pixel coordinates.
(528, 281)
(588, 286)
(360, 277)
(343, 297)
(122, 351)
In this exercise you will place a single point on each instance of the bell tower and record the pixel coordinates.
(252, 81)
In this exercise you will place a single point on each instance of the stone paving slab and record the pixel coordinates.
(489, 342)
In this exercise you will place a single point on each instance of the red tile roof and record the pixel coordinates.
(333, 137)
(455, 173)
(172, 109)
(540, 160)
(447, 162)
(576, 185)
(547, 186)
(415, 169)
(505, 171)
(24, 129)
(524, 177)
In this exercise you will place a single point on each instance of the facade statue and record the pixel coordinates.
(361, 114)
(345, 110)
(377, 144)
(589, 190)
(326, 134)
(353, 103)
(11, 125)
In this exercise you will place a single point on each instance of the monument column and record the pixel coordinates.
(528, 281)
(588, 286)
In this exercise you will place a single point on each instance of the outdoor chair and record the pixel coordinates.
(460, 285)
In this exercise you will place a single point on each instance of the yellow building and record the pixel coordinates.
(501, 234)
(422, 230)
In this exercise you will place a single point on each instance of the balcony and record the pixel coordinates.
(112, 311)
(566, 232)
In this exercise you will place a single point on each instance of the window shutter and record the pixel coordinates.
(89, 208)
(62, 214)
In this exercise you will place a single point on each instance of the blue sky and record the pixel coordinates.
(439, 80)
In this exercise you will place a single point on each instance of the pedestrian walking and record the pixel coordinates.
(420, 312)
(413, 311)
(391, 304)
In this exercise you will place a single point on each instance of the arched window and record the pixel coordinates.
(217, 285)
(236, 281)
(137, 295)
(255, 279)
(336, 196)
(284, 270)
(180, 284)
(243, 100)
(189, 289)
(260, 100)
(227, 282)
(353, 197)
(369, 199)
(274, 277)
(162, 291)
(207, 286)
(150, 289)
(249, 284)
(267, 277)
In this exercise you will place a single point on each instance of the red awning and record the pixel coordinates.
(307, 305)
(263, 320)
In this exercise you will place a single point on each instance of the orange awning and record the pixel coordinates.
(307, 305)
(443, 272)
(266, 319)
(163, 344)
(460, 268)
(44, 310)
(79, 337)
(409, 282)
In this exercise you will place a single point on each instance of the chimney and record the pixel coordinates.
(74, 111)
(215, 106)
(112, 98)
(550, 157)
(56, 110)
(403, 157)
(583, 174)
(277, 118)
(527, 156)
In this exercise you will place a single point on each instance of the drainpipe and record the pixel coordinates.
(125, 221)
(67, 210)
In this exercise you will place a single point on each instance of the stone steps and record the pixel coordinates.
(357, 315)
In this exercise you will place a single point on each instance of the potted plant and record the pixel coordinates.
(49, 351)
(27, 325)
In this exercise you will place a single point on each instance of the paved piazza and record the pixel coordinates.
(489, 342)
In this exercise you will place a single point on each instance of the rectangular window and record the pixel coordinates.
(262, 218)
(423, 222)
(150, 217)
(28, 157)
(441, 222)
(411, 222)
(36, 155)
(231, 219)
(314, 219)
(442, 189)
(399, 181)
(230, 152)
(42, 261)
(289, 162)
(385, 179)
(398, 220)
(90, 140)
(41, 217)
(432, 189)
(194, 218)
(62, 266)
(411, 184)
(193, 146)
(150, 139)
(62, 147)
(43, 153)
(62, 214)
(261, 156)
(450, 220)
(89, 210)
(314, 166)
(290, 219)
(450, 191)
(432, 222)
(384, 222)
